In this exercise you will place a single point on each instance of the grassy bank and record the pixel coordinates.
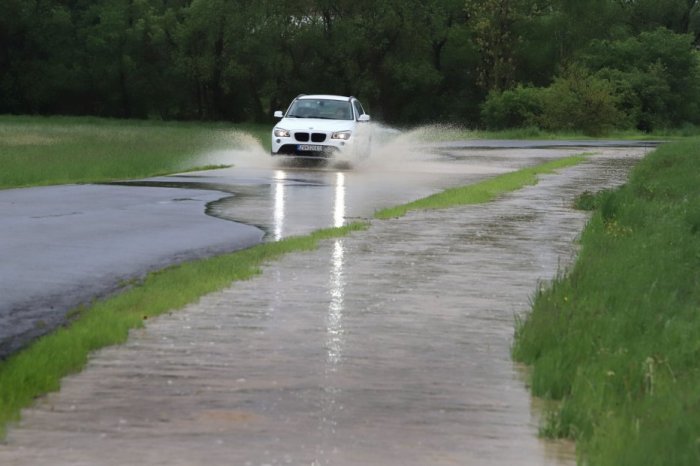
(447, 132)
(57, 150)
(630, 135)
(617, 339)
(39, 368)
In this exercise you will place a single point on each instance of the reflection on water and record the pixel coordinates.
(334, 322)
(335, 332)
(339, 204)
(278, 212)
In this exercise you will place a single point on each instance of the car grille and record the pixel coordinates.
(315, 137)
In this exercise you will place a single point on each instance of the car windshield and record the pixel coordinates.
(328, 109)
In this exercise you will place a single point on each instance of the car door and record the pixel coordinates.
(363, 130)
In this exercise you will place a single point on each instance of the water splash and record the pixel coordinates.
(392, 150)
(245, 150)
(410, 150)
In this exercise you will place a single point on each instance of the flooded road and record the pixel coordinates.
(64, 246)
(387, 347)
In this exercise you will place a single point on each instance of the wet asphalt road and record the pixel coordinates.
(388, 347)
(63, 246)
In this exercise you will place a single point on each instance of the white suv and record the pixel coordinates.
(321, 126)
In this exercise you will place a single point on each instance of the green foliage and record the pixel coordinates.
(410, 61)
(616, 339)
(576, 101)
(230, 59)
(586, 201)
(656, 75)
(493, 28)
(579, 100)
(517, 107)
(649, 82)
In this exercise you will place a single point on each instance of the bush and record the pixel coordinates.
(576, 101)
(581, 101)
(517, 107)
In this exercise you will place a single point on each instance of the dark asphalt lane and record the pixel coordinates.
(473, 144)
(63, 246)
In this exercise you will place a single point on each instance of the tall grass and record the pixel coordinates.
(631, 135)
(57, 150)
(39, 368)
(617, 339)
(448, 132)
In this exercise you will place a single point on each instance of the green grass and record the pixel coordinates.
(484, 191)
(38, 369)
(38, 151)
(439, 132)
(617, 339)
(629, 135)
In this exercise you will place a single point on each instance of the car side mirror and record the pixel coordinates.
(363, 118)
(279, 114)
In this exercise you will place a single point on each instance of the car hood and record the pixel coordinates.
(315, 124)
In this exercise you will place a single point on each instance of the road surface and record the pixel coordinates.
(387, 347)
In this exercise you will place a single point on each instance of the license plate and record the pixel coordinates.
(310, 148)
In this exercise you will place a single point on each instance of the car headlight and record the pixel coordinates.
(281, 133)
(344, 135)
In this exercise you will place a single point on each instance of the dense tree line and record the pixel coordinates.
(589, 64)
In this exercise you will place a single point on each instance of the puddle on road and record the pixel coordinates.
(386, 347)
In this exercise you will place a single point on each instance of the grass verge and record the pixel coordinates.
(447, 132)
(627, 135)
(38, 151)
(617, 339)
(38, 369)
(484, 191)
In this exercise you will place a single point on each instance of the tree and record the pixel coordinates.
(660, 71)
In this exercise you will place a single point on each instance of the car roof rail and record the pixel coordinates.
(300, 95)
(350, 98)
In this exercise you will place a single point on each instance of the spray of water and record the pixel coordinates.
(245, 151)
(392, 150)
(409, 150)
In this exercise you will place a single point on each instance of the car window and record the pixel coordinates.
(321, 108)
(358, 108)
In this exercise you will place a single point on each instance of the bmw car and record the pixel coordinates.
(322, 127)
